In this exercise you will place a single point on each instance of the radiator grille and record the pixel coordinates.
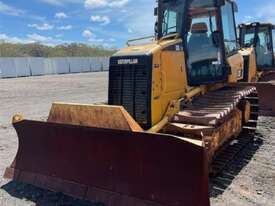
(130, 86)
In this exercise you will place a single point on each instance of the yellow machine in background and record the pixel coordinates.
(173, 104)
(259, 37)
(256, 41)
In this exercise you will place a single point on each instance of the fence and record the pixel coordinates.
(33, 66)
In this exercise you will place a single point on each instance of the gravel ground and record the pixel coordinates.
(248, 181)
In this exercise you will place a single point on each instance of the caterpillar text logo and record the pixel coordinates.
(127, 61)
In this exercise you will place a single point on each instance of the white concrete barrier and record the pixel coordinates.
(34, 66)
(61, 65)
(79, 64)
(22, 67)
(37, 66)
(7, 68)
(85, 64)
(74, 65)
(105, 63)
(96, 65)
(48, 67)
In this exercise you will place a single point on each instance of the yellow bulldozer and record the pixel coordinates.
(259, 36)
(174, 105)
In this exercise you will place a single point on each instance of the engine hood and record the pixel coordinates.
(145, 49)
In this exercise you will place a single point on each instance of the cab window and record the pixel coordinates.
(230, 39)
(172, 17)
(203, 46)
(264, 48)
(169, 25)
(249, 36)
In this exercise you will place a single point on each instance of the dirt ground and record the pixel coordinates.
(248, 181)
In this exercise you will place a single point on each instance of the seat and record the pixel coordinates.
(198, 36)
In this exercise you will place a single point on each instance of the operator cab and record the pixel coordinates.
(259, 36)
(207, 29)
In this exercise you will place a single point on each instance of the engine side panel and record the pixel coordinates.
(169, 79)
(236, 64)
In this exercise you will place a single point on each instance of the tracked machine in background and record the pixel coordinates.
(257, 43)
(259, 36)
(173, 106)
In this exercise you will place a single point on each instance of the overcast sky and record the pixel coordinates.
(98, 22)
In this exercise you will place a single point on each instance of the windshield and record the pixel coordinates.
(264, 50)
(200, 34)
(203, 47)
(172, 14)
(248, 36)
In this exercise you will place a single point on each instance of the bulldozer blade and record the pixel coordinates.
(114, 167)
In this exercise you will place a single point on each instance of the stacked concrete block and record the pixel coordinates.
(22, 67)
(7, 68)
(36, 66)
(96, 65)
(61, 65)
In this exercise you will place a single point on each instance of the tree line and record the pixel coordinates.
(64, 50)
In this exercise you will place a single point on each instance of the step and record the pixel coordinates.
(255, 108)
(251, 123)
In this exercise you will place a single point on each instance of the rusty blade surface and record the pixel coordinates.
(118, 168)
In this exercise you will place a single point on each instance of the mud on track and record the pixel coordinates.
(248, 181)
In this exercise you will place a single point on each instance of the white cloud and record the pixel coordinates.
(91, 4)
(38, 38)
(87, 34)
(104, 20)
(45, 40)
(9, 10)
(6, 38)
(95, 40)
(42, 27)
(66, 27)
(61, 15)
(91, 38)
(33, 38)
(248, 19)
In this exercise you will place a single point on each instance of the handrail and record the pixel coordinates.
(173, 35)
(138, 39)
